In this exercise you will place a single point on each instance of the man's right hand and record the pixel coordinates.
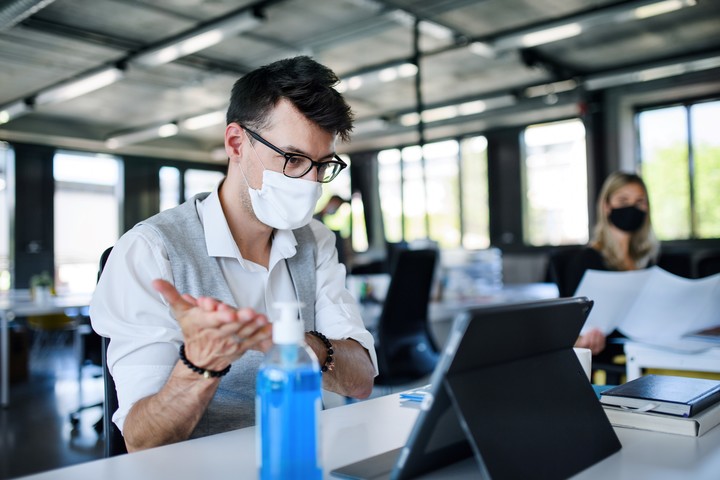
(215, 333)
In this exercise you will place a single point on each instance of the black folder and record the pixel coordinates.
(510, 392)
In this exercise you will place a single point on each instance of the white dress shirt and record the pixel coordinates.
(145, 337)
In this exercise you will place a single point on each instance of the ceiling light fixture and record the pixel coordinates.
(661, 8)
(163, 131)
(81, 85)
(203, 121)
(556, 31)
(381, 75)
(196, 40)
(464, 109)
(550, 88)
(651, 73)
(13, 110)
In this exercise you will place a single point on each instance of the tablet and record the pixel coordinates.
(510, 392)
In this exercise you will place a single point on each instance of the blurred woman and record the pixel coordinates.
(623, 238)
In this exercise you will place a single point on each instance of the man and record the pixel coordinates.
(248, 244)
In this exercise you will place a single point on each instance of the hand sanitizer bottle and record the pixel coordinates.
(288, 403)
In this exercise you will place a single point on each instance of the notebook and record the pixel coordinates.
(510, 392)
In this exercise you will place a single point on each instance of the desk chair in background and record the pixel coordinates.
(608, 368)
(114, 441)
(406, 350)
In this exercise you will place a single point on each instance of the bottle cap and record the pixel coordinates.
(288, 329)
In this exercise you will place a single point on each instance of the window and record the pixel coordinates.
(169, 187)
(413, 194)
(475, 205)
(443, 196)
(555, 177)
(390, 184)
(87, 216)
(680, 163)
(198, 181)
(6, 204)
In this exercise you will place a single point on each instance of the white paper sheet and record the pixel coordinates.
(650, 305)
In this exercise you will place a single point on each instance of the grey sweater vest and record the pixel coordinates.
(197, 273)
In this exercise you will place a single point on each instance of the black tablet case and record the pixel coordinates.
(510, 391)
(520, 395)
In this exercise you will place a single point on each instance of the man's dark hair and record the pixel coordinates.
(307, 84)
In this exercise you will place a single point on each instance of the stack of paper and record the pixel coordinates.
(651, 305)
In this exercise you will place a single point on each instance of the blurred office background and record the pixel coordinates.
(481, 126)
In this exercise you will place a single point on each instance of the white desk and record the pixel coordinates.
(17, 303)
(354, 432)
(640, 355)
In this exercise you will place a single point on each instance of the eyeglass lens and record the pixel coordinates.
(297, 166)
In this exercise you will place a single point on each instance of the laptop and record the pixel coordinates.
(509, 392)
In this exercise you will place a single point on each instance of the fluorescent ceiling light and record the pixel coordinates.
(79, 86)
(118, 141)
(482, 49)
(447, 112)
(197, 40)
(663, 7)
(651, 73)
(13, 110)
(554, 32)
(203, 121)
(550, 88)
(382, 75)
(549, 35)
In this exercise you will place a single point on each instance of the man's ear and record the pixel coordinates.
(234, 138)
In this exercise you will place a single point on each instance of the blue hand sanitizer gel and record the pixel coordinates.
(288, 403)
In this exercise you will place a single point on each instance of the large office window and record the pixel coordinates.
(198, 181)
(475, 206)
(413, 194)
(680, 163)
(443, 186)
(443, 195)
(390, 185)
(6, 208)
(87, 216)
(169, 187)
(555, 179)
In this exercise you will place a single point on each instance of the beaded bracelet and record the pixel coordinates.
(329, 359)
(205, 373)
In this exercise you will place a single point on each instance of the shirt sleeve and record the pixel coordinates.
(336, 312)
(144, 336)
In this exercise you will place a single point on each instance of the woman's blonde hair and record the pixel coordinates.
(644, 246)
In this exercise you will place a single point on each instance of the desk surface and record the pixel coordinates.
(353, 432)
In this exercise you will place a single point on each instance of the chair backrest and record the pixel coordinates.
(405, 347)
(559, 270)
(114, 441)
(708, 264)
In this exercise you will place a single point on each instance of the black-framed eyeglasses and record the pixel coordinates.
(298, 165)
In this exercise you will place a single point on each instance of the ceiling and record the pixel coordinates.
(482, 64)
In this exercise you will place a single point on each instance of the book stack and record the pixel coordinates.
(664, 403)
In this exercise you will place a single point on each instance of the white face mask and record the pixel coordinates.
(285, 203)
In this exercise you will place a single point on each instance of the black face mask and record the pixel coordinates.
(628, 219)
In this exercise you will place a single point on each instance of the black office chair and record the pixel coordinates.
(708, 264)
(678, 263)
(406, 350)
(91, 355)
(612, 360)
(558, 271)
(114, 441)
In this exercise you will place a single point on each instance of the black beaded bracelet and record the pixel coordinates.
(201, 371)
(329, 360)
